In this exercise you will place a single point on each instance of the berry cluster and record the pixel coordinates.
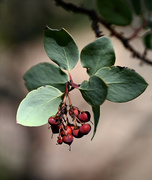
(77, 126)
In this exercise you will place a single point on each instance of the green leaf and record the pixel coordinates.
(137, 6)
(98, 54)
(124, 84)
(61, 48)
(45, 74)
(38, 106)
(94, 91)
(96, 112)
(148, 4)
(116, 12)
(147, 40)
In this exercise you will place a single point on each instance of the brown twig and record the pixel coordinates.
(136, 31)
(95, 26)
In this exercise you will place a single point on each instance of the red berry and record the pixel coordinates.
(85, 129)
(67, 130)
(74, 112)
(76, 133)
(72, 126)
(84, 116)
(55, 129)
(59, 141)
(68, 139)
(54, 120)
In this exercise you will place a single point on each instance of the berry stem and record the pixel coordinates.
(74, 85)
(79, 120)
(70, 103)
(75, 124)
(63, 128)
(69, 147)
(66, 93)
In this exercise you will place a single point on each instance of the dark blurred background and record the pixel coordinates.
(25, 20)
(122, 146)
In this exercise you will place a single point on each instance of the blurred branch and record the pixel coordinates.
(95, 26)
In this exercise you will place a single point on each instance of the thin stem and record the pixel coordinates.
(79, 120)
(70, 103)
(74, 85)
(136, 32)
(74, 122)
(66, 93)
(71, 80)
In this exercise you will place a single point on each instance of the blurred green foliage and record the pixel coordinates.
(25, 20)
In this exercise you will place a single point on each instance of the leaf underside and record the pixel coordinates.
(38, 106)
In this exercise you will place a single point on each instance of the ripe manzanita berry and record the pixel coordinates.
(55, 129)
(84, 116)
(71, 126)
(67, 130)
(85, 129)
(76, 133)
(54, 120)
(68, 139)
(74, 112)
(59, 141)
